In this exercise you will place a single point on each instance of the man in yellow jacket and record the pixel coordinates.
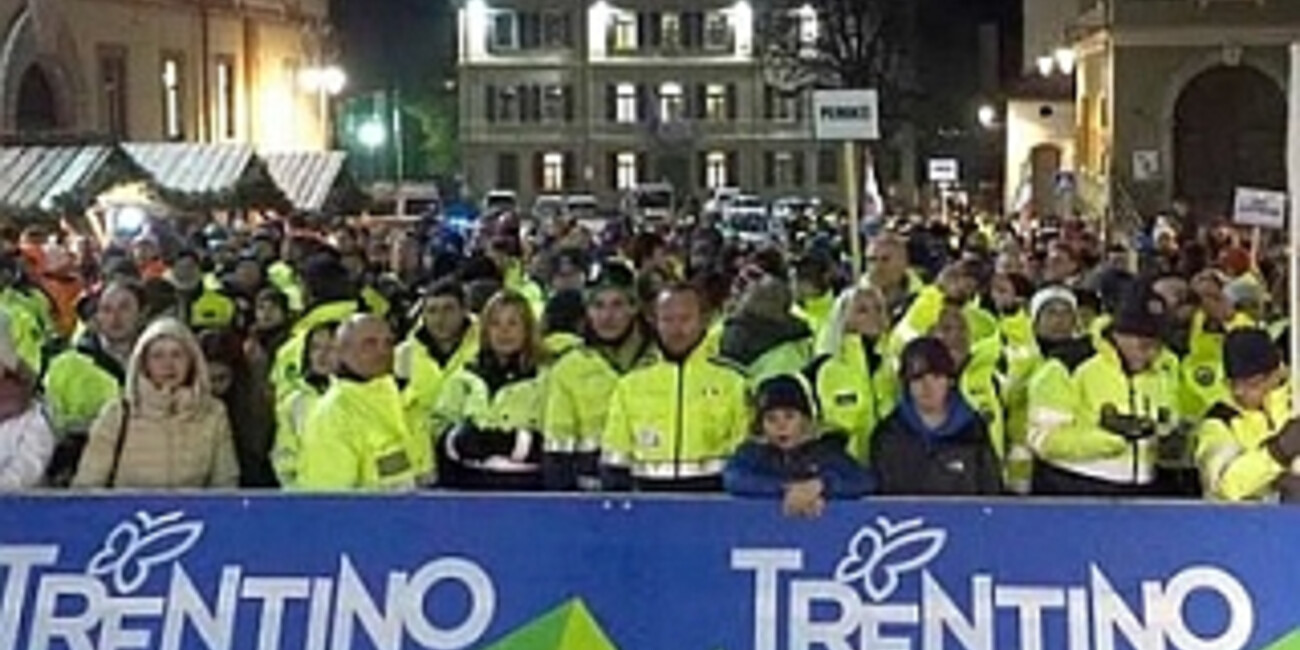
(332, 298)
(446, 338)
(673, 425)
(357, 436)
(1244, 446)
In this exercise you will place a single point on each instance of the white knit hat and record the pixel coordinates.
(1050, 294)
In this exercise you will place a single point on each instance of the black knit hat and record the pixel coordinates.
(612, 274)
(1249, 352)
(1141, 313)
(784, 392)
(927, 356)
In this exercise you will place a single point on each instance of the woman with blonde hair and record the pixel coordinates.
(490, 412)
(168, 431)
(852, 377)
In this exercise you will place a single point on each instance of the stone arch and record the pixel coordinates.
(1191, 69)
(43, 47)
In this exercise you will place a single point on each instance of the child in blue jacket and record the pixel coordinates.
(789, 460)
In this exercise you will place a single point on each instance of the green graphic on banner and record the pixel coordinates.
(567, 627)
(1288, 642)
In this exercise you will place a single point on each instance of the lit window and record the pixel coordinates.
(784, 169)
(225, 108)
(717, 31)
(624, 29)
(625, 104)
(173, 118)
(505, 34)
(715, 102)
(625, 171)
(670, 102)
(553, 172)
(671, 26)
(715, 169)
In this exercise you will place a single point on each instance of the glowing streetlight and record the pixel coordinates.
(988, 116)
(328, 80)
(1045, 65)
(372, 134)
(1065, 59)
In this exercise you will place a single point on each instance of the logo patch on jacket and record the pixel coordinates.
(1204, 377)
(647, 438)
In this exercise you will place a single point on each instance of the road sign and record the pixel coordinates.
(1259, 208)
(846, 114)
(945, 170)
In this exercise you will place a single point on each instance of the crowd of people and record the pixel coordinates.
(967, 359)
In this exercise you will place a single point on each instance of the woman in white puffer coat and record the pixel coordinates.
(26, 440)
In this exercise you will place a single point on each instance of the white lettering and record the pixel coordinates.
(19, 560)
(1241, 611)
(273, 592)
(806, 633)
(1110, 614)
(767, 565)
(1030, 602)
(482, 609)
(73, 629)
(214, 626)
(112, 634)
(355, 604)
(942, 614)
(1080, 619)
(878, 616)
(318, 621)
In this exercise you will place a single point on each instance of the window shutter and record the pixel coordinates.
(702, 169)
(539, 171)
(733, 103)
(693, 29)
(799, 98)
(733, 169)
(644, 103)
(611, 170)
(490, 103)
(611, 103)
(798, 170)
(568, 102)
(769, 169)
(642, 29)
(570, 171)
(700, 99)
(769, 102)
(656, 29)
(642, 167)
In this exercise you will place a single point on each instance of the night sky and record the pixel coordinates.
(409, 42)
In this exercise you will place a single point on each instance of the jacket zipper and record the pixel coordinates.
(681, 407)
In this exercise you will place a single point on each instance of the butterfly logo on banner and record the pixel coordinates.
(881, 555)
(137, 546)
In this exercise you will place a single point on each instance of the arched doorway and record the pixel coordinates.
(38, 108)
(1229, 131)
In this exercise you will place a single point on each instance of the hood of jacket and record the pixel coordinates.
(147, 397)
(960, 418)
(748, 335)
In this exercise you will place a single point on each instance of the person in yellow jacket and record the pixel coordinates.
(850, 376)
(889, 270)
(1241, 447)
(81, 380)
(356, 438)
(446, 338)
(673, 425)
(814, 299)
(581, 383)
(1096, 430)
(763, 336)
(489, 414)
(292, 412)
(955, 286)
(1057, 340)
(331, 298)
(977, 368)
(1203, 384)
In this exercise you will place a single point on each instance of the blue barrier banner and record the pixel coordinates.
(453, 573)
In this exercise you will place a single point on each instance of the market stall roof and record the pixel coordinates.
(208, 176)
(313, 181)
(43, 181)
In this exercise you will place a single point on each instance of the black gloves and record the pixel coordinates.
(1129, 427)
(1285, 446)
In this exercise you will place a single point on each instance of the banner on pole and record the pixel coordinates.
(236, 573)
(1259, 208)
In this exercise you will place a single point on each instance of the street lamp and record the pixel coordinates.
(372, 134)
(988, 116)
(1065, 59)
(326, 81)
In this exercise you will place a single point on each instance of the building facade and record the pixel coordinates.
(581, 96)
(1183, 99)
(153, 70)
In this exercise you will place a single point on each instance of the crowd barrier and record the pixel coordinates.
(520, 573)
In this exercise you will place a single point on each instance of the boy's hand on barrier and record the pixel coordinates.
(804, 499)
